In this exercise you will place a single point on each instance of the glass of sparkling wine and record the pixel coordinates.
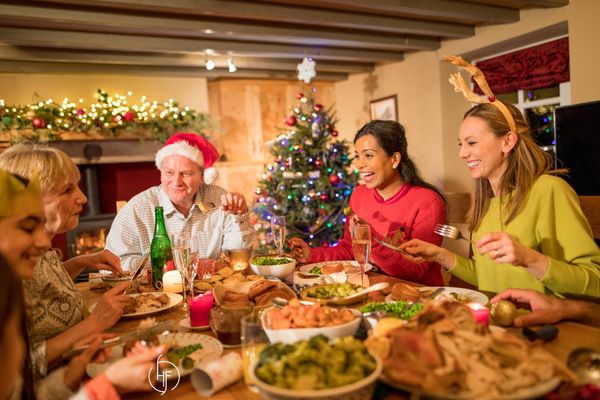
(180, 246)
(361, 246)
(278, 232)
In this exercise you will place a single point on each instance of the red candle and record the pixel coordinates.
(200, 308)
(480, 313)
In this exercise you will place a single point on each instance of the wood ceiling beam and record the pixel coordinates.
(252, 10)
(27, 16)
(26, 67)
(12, 53)
(457, 11)
(117, 42)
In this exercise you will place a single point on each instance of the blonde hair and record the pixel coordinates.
(526, 162)
(55, 168)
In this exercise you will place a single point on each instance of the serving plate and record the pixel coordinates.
(211, 349)
(354, 268)
(334, 300)
(174, 299)
(531, 392)
(473, 295)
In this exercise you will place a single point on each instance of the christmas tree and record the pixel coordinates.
(309, 181)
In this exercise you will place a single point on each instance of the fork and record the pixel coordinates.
(451, 232)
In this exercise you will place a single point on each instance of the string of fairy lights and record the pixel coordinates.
(47, 119)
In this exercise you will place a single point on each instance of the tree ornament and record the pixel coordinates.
(334, 179)
(6, 120)
(38, 122)
(306, 70)
(299, 95)
(128, 116)
(503, 313)
(334, 133)
(324, 197)
(308, 142)
(317, 107)
(318, 162)
(291, 121)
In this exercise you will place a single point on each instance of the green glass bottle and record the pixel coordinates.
(160, 249)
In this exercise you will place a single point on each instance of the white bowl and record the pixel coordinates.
(293, 335)
(281, 271)
(359, 390)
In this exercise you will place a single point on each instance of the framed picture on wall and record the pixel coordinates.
(385, 108)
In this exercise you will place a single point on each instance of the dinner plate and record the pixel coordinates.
(174, 299)
(531, 392)
(211, 349)
(343, 301)
(354, 268)
(473, 295)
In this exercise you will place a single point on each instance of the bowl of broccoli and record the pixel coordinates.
(317, 368)
(280, 267)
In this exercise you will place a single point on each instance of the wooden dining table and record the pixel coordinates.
(571, 336)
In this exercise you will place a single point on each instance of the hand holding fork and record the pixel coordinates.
(451, 232)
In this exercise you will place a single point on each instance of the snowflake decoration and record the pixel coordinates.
(306, 70)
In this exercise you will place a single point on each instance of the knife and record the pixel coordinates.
(139, 269)
(138, 334)
(391, 246)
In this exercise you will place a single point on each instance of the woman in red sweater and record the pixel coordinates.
(394, 200)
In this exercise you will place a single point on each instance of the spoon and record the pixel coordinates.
(586, 364)
(372, 288)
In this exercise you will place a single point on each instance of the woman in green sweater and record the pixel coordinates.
(527, 226)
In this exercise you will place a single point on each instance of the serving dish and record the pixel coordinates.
(293, 335)
(174, 299)
(281, 271)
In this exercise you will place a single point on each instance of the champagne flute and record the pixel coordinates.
(180, 246)
(278, 232)
(361, 246)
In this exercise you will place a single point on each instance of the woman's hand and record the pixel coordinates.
(109, 308)
(300, 250)
(103, 354)
(130, 374)
(102, 260)
(425, 251)
(503, 248)
(234, 203)
(76, 368)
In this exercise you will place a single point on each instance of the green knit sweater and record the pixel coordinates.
(553, 224)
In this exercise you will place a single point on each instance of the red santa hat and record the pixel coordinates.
(194, 147)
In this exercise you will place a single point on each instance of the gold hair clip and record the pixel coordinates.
(461, 86)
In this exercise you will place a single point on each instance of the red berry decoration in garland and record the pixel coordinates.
(299, 95)
(334, 133)
(38, 122)
(324, 197)
(318, 107)
(80, 111)
(291, 121)
(334, 179)
(318, 163)
(128, 116)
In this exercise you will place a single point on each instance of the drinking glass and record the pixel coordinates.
(361, 246)
(180, 246)
(278, 232)
(254, 339)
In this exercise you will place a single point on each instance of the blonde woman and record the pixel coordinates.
(54, 306)
(527, 225)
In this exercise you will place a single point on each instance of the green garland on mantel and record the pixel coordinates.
(109, 117)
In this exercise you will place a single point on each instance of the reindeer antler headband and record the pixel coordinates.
(461, 86)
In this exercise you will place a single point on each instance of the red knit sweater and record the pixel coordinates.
(414, 209)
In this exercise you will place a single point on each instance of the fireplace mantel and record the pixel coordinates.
(115, 151)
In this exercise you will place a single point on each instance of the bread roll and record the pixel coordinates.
(406, 292)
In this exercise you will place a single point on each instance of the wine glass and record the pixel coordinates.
(278, 232)
(180, 246)
(361, 246)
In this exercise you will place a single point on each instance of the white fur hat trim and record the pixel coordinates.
(181, 148)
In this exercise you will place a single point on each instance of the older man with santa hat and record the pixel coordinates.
(192, 205)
